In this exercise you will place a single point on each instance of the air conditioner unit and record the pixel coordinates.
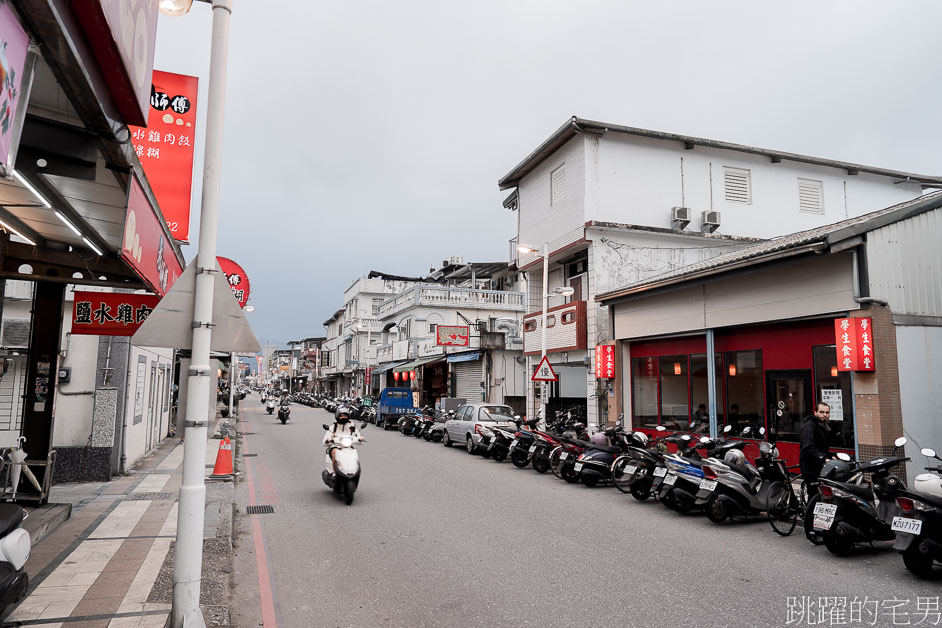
(457, 260)
(15, 333)
(710, 222)
(680, 217)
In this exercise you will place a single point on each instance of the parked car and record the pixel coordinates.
(465, 426)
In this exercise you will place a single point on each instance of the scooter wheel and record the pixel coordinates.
(640, 491)
(717, 510)
(837, 543)
(540, 464)
(590, 480)
(916, 562)
(348, 489)
(499, 455)
(284, 421)
(519, 458)
(569, 474)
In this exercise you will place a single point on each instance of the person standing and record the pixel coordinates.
(814, 446)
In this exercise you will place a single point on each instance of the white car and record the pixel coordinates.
(465, 427)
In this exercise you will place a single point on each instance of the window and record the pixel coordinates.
(700, 392)
(558, 185)
(834, 388)
(745, 396)
(431, 328)
(377, 302)
(737, 185)
(675, 399)
(644, 392)
(550, 321)
(568, 317)
(810, 196)
(530, 325)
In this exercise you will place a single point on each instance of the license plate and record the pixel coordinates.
(630, 469)
(828, 510)
(578, 467)
(563, 455)
(903, 524)
(822, 522)
(532, 448)
(707, 485)
(660, 472)
(669, 480)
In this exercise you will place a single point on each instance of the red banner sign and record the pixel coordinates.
(605, 361)
(238, 279)
(109, 313)
(144, 246)
(854, 340)
(452, 335)
(165, 147)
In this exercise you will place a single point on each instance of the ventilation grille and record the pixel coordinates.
(810, 196)
(260, 510)
(737, 185)
(152, 496)
(16, 333)
(558, 183)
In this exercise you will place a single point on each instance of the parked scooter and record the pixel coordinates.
(284, 412)
(14, 551)
(919, 524)
(342, 474)
(684, 470)
(270, 405)
(637, 471)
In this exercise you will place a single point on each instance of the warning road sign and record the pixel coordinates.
(544, 372)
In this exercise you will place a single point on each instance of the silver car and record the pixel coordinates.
(465, 427)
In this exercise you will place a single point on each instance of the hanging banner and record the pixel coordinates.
(109, 313)
(238, 279)
(165, 147)
(854, 340)
(14, 45)
(144, 246)
(452, 335)
(605, 361)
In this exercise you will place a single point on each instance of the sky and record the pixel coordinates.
(370, 135)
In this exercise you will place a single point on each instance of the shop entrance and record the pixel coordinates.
(788, 398)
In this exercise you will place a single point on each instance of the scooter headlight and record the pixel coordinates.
(346, 442)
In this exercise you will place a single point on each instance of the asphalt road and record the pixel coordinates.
(436, 537)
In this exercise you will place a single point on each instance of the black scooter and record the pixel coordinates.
(919, 524)
(284, 413)
(14, 552)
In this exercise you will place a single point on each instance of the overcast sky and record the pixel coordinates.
(367, 135)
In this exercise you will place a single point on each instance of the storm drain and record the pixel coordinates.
(247, 433)
(249, 455)
(152, 496)
(260, 510)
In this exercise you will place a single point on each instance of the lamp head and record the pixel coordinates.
(523, 248)
(175, 8)
(565, 291)
(249, 308)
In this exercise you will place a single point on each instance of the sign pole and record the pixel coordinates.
(232, 379)
(544, 394)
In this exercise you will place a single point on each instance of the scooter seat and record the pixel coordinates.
(11, 515)
(606, 448)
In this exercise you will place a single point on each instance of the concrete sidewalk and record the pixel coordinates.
(110, 564)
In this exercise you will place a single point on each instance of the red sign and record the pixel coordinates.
(109, 313)
(144, 246)
(651, 367)
(238, 280)
(544, 372)
(854, 340)
(452, 335)
(605, 361)
(369, 374)
(165, 147)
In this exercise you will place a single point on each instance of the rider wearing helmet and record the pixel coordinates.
(341, 425)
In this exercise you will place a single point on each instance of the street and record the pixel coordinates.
(436, 537)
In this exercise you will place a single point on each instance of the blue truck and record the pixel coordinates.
(394, 403)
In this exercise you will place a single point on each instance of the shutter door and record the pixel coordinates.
(468, 378)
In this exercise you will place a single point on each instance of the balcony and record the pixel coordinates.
(565, 329)
(444, 296)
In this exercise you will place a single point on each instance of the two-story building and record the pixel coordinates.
(614, 205)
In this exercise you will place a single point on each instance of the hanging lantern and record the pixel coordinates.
(412, 375)
(677, 368)
(833, 371)
(396, 375)
(732, 370)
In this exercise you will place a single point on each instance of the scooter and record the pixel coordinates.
(919, 524)
(342, 474)
(284, 413)
(680, 486)
(14, 552)
(270, 405)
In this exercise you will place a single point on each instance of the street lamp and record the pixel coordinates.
(564, 291)
(367, 385)
(175, 8)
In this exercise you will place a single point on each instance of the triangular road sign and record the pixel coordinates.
(544, 372)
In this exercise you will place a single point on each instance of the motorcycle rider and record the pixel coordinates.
(814, 447)
(341, 425)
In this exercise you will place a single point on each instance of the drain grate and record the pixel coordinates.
(249, 455)
(260, 510)
(248, 433)
(152, 496)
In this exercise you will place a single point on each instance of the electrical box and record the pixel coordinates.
(65, 374)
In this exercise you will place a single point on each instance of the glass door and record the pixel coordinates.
(788, 398)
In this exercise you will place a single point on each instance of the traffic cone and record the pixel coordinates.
(223, 459)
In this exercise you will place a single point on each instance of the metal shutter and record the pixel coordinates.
(558, 184)
(810, 196)
(737, 185)
(468, 378)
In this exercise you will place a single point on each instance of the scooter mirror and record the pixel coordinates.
(693, 424)
(746, 431)
(704, 439)
(517, 417)
(928, 452)
(899, 442)
(843, 456)
(727, 429)
(325, 426)
(762, 431)
(661, 428)
(685, 437)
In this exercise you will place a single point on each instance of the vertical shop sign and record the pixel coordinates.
(605, 361)
(650, 365)
(854, 340)
(14, 65)
(864, 329)
(165, 147)
(144, 245)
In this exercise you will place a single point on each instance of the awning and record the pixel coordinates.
(386, 367)
(465, 357)
(408, 366)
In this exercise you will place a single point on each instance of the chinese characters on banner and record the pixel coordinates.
(650, 365)
(369, 374)
(237, 278)
(144, 246)
(110, 314)
(165, 147)
(854, 340)
(452, 335)
(605, 361)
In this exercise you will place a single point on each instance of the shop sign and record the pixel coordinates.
(144, 246)
(452, 335)
(854, 340)
(165, 147)
(605, 361)
(110, 313)
(650, 367)
(369, 374)
(122, 34)
(14, 44)
(238, 279)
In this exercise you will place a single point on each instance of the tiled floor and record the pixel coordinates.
(98, 568)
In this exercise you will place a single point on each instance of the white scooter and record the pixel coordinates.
(342, 474)
(14, 552)
(271, 404)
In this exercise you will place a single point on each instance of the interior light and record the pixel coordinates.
(16, 233)
(833, 371)
(677, 369)
(29, 186)
(67, 222)
(92, 246)
(175, 8)
(732, 370)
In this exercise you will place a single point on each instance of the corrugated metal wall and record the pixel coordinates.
(905, 264)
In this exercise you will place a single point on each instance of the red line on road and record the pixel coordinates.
(261, 558)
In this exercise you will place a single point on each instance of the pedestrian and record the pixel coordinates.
(701, 420)
(814, 447)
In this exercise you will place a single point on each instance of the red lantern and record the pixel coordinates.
(412, 375)
(396, 375)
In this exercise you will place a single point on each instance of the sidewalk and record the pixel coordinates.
(110, 564)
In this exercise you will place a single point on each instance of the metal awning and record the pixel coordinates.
(386, 367)
(408, 366)
(464, 357)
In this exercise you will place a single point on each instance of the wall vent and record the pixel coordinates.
(15, 333)
(737, 185)
(558, 185)
(810, 196)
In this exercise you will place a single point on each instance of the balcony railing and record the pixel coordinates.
(513, 249)
(444, 296)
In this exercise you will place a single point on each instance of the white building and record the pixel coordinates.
(614, 205)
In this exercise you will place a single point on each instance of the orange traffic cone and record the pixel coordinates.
(223, 459)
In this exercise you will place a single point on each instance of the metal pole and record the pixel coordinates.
(188, 557)
(232, 379)
(544, 393)
(711, 383)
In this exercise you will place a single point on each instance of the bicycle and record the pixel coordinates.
(785, 505)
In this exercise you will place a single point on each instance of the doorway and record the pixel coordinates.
(788, 399)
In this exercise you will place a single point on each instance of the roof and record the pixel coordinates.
(576, 126)
(376, 274)
(482, 270)
(812, 240)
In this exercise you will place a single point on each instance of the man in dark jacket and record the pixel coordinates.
(814, 446)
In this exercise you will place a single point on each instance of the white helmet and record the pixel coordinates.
(641, 437)
(735, 456)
